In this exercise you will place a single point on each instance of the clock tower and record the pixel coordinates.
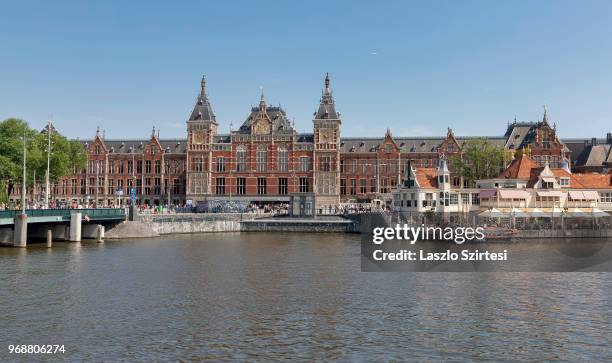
(327, 151)
(201, 132)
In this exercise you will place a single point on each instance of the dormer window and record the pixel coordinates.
(97, 150)
(388, 148)
(564, 182)
(451, 148)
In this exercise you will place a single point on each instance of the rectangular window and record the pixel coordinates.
(373, 186)
(130, 167)
(363, 189)
(157, 186)
(119, 166)
(282, 186)
(325, 163)
(197, 165)
(111, 166)
(241, 186)
(176, 186)
(353, 166)
(220, 188)
(353, 188)
(342, 166)
(262, 185)
(147, 166)
(383, 186)
(241, 160)
(304, 185)
(454, 199)
(304, 164)
(363, 166)
(262, 160)
(157, 166)
(343, 186)
(138, 166)
(283, 160)
(220, 165)
(373, 167)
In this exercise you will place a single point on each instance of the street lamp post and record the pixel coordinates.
(23, 190)
(47, 186)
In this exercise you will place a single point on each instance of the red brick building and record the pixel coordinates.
(266, 160)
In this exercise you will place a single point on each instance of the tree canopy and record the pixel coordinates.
(480, 160)
(66, 155)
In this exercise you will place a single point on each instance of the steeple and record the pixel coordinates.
(262, 102)
(327, 107)
(203, 84)
(202, 110)
(545, 118)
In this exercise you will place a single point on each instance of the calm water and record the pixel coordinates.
(298, 296)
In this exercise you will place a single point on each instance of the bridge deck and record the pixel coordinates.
(7, 217)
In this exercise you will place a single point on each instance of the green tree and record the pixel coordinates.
(480, 160)
(66, 155)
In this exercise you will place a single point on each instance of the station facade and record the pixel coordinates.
(266, 160)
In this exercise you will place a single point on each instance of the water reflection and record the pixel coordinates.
(273, 296)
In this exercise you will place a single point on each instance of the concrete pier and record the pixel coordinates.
(75, 226)
(49, 237)
(20, 236)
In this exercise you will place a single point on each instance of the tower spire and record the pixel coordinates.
(327, 89)
(262, 100)
(203, 84)
(545, 118)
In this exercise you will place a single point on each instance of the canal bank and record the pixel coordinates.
(152, 225)
(155, 225)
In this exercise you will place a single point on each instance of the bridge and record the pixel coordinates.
(66, 224)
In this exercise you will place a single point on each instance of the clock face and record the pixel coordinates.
(324, 135)
(262, 127)
(198, 137)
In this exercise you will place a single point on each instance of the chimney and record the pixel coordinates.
(609, 137)
(594, 141)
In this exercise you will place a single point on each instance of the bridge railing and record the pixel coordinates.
(92, 213)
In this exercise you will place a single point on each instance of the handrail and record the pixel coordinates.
(91, 212)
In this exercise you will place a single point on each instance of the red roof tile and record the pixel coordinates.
(427, 177)
(519, 168)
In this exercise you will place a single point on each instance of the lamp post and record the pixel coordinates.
(47, 186)
(23, 189)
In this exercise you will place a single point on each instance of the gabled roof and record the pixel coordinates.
(595, 156)
(577, 180)
(275, 114)
(519, 168)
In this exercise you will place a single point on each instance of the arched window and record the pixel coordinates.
(241, 158)
(283, 159)
(262, 158)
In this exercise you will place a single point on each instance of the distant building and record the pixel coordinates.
(523, 184)
(593, 155)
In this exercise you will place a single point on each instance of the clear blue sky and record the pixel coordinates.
(416, 67)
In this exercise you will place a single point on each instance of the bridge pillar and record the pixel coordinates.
(20, 234)
(75, 226)
(49, 237)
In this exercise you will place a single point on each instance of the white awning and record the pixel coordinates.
(549, 179)
(583, 195)
(513, 194)
(550, 193)
(519, 213)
